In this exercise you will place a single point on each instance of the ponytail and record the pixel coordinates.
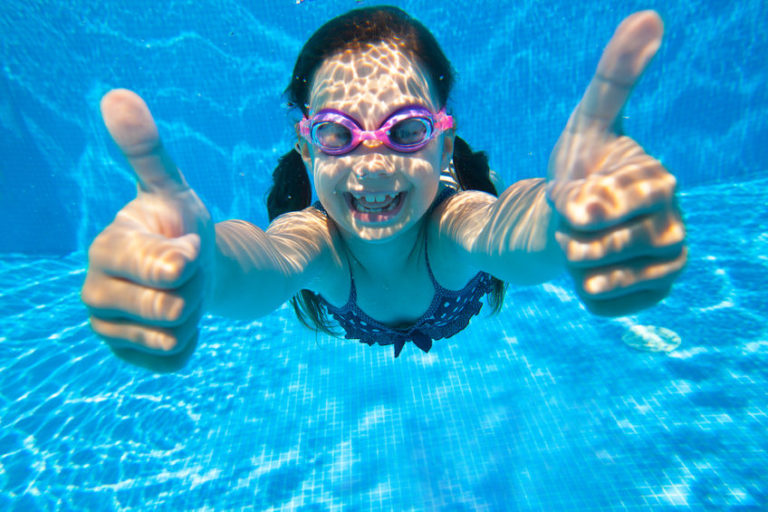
(472, 170)
(290, 190)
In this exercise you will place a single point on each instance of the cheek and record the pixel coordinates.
(426, 166)
(326, 175)
(427, 190)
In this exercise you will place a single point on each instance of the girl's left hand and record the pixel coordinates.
(620, 227)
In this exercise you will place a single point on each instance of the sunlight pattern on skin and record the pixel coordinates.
(507, 231)
(172, 304)
(295, 240)
(369, 84)
(149, 270)
(620, 226)
(607, 208)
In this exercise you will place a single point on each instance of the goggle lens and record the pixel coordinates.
(410, 132)
(330, 135)
(407, 131)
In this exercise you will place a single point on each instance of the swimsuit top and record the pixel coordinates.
(449, 312)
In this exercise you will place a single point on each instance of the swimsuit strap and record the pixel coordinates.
(444, 194)
(448, 313)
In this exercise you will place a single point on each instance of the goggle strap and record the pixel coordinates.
(443, 121)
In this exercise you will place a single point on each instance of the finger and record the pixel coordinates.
(125, 334)
(626, 305)
(162, 363)
(128, 301)
(576, 154)
(624, 59)
(133, 129)
(145, 258)
(610, 282)
(661, 235)
(637, 186)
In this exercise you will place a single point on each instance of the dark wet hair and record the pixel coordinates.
(291, 189)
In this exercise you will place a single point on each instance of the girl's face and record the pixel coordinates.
(375, 193)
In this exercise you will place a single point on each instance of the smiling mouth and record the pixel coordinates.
(375, 207)
(375, 203)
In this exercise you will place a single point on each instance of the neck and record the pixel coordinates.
(384, 259)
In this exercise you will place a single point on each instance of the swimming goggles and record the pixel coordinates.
(407, 130)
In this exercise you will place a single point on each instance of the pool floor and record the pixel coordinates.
(542, 407)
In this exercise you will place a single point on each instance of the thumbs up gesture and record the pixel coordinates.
(620, 228)
(150, 269)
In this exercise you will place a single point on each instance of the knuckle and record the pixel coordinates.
(95, 250)
(157, 339)
(91, 295)
(150, 304)
(669, 180)
(169, 266)
(678, 233)
(96, 325)
(663, 230)
(164, 307)
(175, 310)
(572, 251)
(585, 251)
(578, 213)
(165, 342)
(595, 285)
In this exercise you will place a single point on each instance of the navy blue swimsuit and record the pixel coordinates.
(449, 312)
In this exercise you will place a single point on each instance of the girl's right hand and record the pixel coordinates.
(151, 269)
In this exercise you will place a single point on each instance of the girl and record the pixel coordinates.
(408, 234)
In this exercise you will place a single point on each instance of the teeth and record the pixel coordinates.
(375, 198)
(390, 199)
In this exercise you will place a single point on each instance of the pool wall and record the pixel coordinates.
(213, 73)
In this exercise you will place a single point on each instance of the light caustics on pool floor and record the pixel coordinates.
(540, 408)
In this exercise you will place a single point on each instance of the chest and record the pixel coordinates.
(395, 299)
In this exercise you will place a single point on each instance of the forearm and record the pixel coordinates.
(252, 276)
(517, 242)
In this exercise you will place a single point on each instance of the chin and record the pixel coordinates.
(379, 235)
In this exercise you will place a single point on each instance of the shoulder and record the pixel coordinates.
(454, 225)
(310, 220)
(462, 206)
(310, 235)
(459, 218)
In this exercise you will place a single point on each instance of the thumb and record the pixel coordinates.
(133, 129)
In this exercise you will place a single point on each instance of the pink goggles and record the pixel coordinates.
(407, 130)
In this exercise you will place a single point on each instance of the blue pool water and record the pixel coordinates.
(542, 407)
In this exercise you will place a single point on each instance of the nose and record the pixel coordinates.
(372, 165)
(372, 143)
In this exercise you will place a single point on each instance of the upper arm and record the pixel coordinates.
(510, 237)
(257, 271)
(306, 242)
